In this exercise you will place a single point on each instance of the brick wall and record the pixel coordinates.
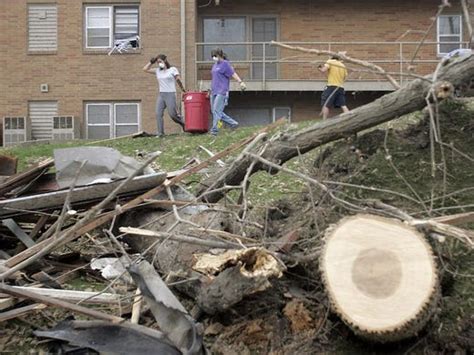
(347, 20)
(75, 75)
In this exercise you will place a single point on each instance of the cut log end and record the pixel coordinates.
(380, 276)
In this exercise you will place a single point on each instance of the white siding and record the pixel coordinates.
(42, 27)
(41, 115)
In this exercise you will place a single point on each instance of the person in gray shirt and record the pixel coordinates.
(167, 77)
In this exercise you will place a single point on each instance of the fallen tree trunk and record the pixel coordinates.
(403, 101)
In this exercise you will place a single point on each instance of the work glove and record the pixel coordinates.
(153, 60)
(243, 87)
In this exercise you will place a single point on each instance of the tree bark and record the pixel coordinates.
(411, 97)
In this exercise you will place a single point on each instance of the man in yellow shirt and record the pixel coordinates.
(334, 95)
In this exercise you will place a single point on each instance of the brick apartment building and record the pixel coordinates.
(58, 79)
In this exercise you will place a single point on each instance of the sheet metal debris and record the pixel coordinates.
(103, 165)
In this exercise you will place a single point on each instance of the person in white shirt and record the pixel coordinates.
(167, 77)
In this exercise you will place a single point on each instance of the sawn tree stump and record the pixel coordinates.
(380, 276)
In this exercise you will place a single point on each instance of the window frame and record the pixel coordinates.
(439, 35)
(125, 124)
(112, 116)
(202, 56)
(220, 17)
(275, 108)
(111, 8)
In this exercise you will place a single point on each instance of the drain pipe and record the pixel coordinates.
(183, 41)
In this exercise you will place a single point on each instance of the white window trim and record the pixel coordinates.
(98, 124)
(111, 22)
(110, 8)
(126, 124)
(112, 117)
(275, 108)
(439, 36)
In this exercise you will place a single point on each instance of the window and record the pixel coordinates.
(449, 33)
(244, 29)
(226, 29)
(42, 27)
(64, 128)
(107, 24)
(110, 120)
(14, 130)
(279, 112)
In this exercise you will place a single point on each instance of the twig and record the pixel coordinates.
(388, 157)
(432, 225)
(175, 209)
(467, 18)
(256, 139)
(371, 188)
(305, 178)
(67, 202)
(444, 3)
(180, 238)
(136, 308)
(211, 154)
(224, 234)
(348, 59)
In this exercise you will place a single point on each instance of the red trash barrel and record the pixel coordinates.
(196, 108)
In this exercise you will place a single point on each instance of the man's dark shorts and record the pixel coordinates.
(337, 100)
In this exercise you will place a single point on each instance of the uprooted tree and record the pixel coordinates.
(457, 73)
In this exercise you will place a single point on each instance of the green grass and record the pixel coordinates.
(177, 150)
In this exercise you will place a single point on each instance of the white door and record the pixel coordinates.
(41, 116)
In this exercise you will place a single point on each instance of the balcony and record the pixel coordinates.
(266, 67)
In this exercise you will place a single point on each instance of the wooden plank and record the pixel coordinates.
(22, 293)
(80, 195)
(7, 302)
(18, 232)
(72, 296)
(18, 312)
(25, 177)
(39, 226)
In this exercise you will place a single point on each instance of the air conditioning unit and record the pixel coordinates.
(15, 130)
(65, 128)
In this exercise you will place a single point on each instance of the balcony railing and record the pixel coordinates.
(268, 67)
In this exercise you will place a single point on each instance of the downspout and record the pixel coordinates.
(183, 41)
